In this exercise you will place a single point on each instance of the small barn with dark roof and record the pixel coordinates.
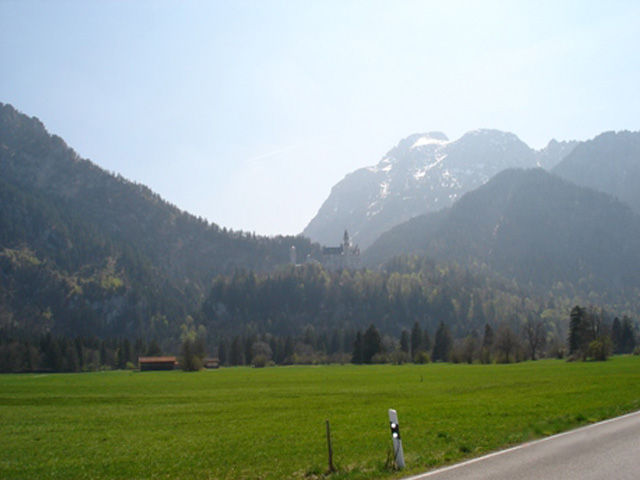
(156, 363)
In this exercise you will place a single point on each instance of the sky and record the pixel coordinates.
(247, 112)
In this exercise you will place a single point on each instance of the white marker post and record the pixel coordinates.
(397, 441)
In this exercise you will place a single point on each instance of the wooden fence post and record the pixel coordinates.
(331, 467)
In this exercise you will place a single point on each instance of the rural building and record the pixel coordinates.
(211, 362)
(156, 363)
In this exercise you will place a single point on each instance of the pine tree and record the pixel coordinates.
(289, 349)
(576, 327)
(71, 362)
(405, 341)
(103, 353)
(443, 344)
(372, 344)
(80, 352)
(616, 335)
(122, 361)
(52, 354)
(627, 336)
(248, 343)
(489, 335)
(487, 344)
(417, 339)
(223, 351)
(357, 355)
(236, 356)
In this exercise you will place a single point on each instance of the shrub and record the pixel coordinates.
(421, 357)
(260, 361)
(380, 358)
(399, 357)
(600, 349)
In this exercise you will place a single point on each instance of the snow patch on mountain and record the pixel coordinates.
(421, 172)
(384, 190)
(427, 140)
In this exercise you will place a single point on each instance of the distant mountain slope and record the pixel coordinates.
(532, 226)
(609, 163)
(424, 173)
(89, 229)
(60, 274)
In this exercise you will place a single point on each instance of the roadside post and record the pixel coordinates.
(398, 454)
(331, 467)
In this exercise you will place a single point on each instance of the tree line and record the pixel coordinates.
(50, 354)
(592, 336)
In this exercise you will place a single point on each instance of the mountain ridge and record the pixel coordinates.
(610, 162)
(530, 225)
(423, 173)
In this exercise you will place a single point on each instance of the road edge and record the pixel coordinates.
(471, 461)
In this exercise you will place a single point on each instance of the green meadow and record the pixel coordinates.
(270, 423)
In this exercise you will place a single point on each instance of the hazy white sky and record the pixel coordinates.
(247, 112)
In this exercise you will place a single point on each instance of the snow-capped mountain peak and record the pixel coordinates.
(424, 172)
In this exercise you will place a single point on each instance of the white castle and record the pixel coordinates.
(344, 256)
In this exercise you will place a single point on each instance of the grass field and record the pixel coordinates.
(270, 423)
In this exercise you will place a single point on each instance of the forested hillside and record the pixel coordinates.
(407, 290)
(609, 163)
(412, 310)
(535, 228)
(85, 251)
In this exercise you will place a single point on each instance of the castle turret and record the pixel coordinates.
(346, 244)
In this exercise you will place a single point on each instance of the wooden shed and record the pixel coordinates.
(211, 362)
(156, 363)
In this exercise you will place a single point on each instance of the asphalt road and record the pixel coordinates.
(607, 450)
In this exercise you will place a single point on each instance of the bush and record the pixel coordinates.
(600, 349)
(380, 358)
(260, 361)
(421, 357)
(191, 363)
(399, 357)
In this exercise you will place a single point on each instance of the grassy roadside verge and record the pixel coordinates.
(269, 423)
